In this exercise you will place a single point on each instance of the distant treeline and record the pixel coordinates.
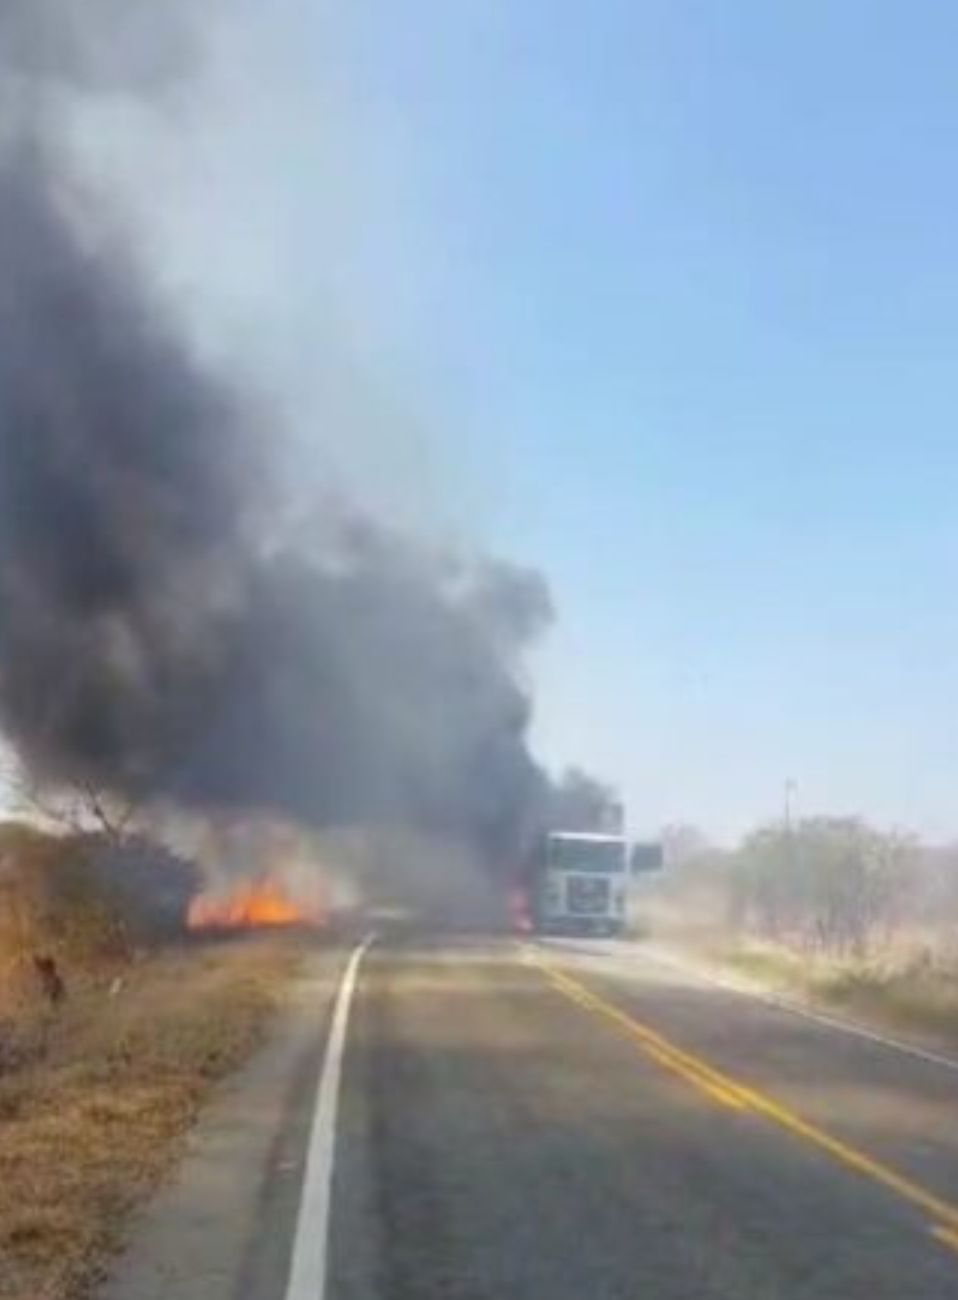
(830, 884)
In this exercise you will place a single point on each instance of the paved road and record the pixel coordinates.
(573, 1120)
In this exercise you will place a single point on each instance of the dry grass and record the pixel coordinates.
(96, 1095)
(908, 983)
(907, 992)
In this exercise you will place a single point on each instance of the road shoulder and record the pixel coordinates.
(915, 1042)
(201, 1235)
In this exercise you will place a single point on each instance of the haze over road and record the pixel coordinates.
(573, 1119)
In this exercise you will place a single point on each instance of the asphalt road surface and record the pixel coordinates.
(568, 1121)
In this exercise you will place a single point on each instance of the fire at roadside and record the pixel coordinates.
(265, 903)
(115, 1021)
(89, 906)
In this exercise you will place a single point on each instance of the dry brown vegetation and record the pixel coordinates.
(94, 1092)
(910, 987)
(828, 907)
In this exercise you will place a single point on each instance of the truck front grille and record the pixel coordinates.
(587, 895)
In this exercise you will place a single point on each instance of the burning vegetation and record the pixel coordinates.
(262, 903)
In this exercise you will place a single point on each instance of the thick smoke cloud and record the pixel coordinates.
(63, 46)
(159, 637)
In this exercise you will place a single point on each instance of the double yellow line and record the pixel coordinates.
(739, 1096)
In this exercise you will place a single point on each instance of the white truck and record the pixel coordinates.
(583, 881)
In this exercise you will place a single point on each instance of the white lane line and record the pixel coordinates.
(837, 1023)
(859, 1031)
(307, 1274)
(656, 958)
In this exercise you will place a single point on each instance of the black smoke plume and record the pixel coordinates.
(160, 639)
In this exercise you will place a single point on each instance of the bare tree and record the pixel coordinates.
(78, 808)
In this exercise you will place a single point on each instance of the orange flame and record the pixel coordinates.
(252, 904)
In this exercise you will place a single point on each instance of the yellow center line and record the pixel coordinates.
(947, 1236)
(742, 1096)
(666, 1053)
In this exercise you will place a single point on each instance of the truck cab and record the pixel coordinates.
(582, 883)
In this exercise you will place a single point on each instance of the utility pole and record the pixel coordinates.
(789, 844)
(790, 788)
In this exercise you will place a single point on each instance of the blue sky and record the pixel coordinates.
(661, 297)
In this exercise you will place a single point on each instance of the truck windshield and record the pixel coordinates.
(587, 855)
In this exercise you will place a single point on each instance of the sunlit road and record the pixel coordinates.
(500, 1137)
(570, 1120)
